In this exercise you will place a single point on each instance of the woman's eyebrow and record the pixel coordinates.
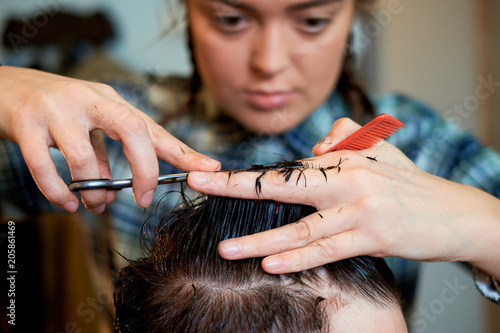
(294, 7)
(311, 3)
(234, 3)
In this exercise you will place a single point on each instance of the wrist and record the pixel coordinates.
(483, 232)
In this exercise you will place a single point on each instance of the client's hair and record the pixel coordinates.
(183, 285)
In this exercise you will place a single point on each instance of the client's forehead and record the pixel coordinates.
(365, 316)
(350, 311)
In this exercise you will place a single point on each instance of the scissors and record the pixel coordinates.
(118, 184)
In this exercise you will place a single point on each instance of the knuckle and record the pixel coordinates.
(327, 249)
(132, 124)
(157, 130)
(343, 122)
(159, 134)
(371, 203)
(108, 91)
(274, 178)
(43, 100)
(359, 178)
(105, 88)
(299, 262)
(302, 231)
(81, 156)
(73, 88)
(37, 167)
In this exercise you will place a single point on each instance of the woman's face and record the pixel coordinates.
(269, 63)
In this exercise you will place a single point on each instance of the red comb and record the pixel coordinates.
(367, 136)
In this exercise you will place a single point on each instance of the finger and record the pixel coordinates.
(172, 150)
(175, 152)
(338, 247)
(143, 140)
(247, 185)
(37, 157)
(122, 124)
(79, 152)
(285, 238)
(299, 186)
(340, 130)
(97, 138)
(141, 155)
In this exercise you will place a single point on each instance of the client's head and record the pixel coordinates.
(183, 285)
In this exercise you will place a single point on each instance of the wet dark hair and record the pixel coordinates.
(183, 285)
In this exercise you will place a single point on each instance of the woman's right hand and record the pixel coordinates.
(41, 110)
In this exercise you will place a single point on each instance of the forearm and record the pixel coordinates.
(482, 232)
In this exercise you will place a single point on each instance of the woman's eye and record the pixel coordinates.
(314, 25)
(230, 23)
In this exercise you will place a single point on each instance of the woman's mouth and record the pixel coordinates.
(267, 101)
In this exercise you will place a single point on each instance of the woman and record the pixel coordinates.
(278, 73)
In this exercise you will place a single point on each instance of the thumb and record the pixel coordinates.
(340, 130)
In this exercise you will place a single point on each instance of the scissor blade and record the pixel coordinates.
(118, 184)
(172, 178)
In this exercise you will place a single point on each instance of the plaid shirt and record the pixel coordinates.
(434, 145)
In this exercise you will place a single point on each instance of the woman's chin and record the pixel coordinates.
(274, 123)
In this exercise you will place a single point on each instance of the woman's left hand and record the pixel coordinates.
(372, 202)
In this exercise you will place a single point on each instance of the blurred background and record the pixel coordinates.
(440, 52)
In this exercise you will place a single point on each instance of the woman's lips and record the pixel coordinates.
(267, 101)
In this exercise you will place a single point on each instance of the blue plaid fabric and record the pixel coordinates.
(435, 145)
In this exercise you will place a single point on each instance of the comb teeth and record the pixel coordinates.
(367, 136)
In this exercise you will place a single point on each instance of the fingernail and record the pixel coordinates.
(211, 163)
(199, 178)
(273, 263)
(323, 143)
(230, 248)
(147, 199)
(71, 206)
(318, 144)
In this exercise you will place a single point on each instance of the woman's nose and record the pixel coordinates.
(270, 54)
